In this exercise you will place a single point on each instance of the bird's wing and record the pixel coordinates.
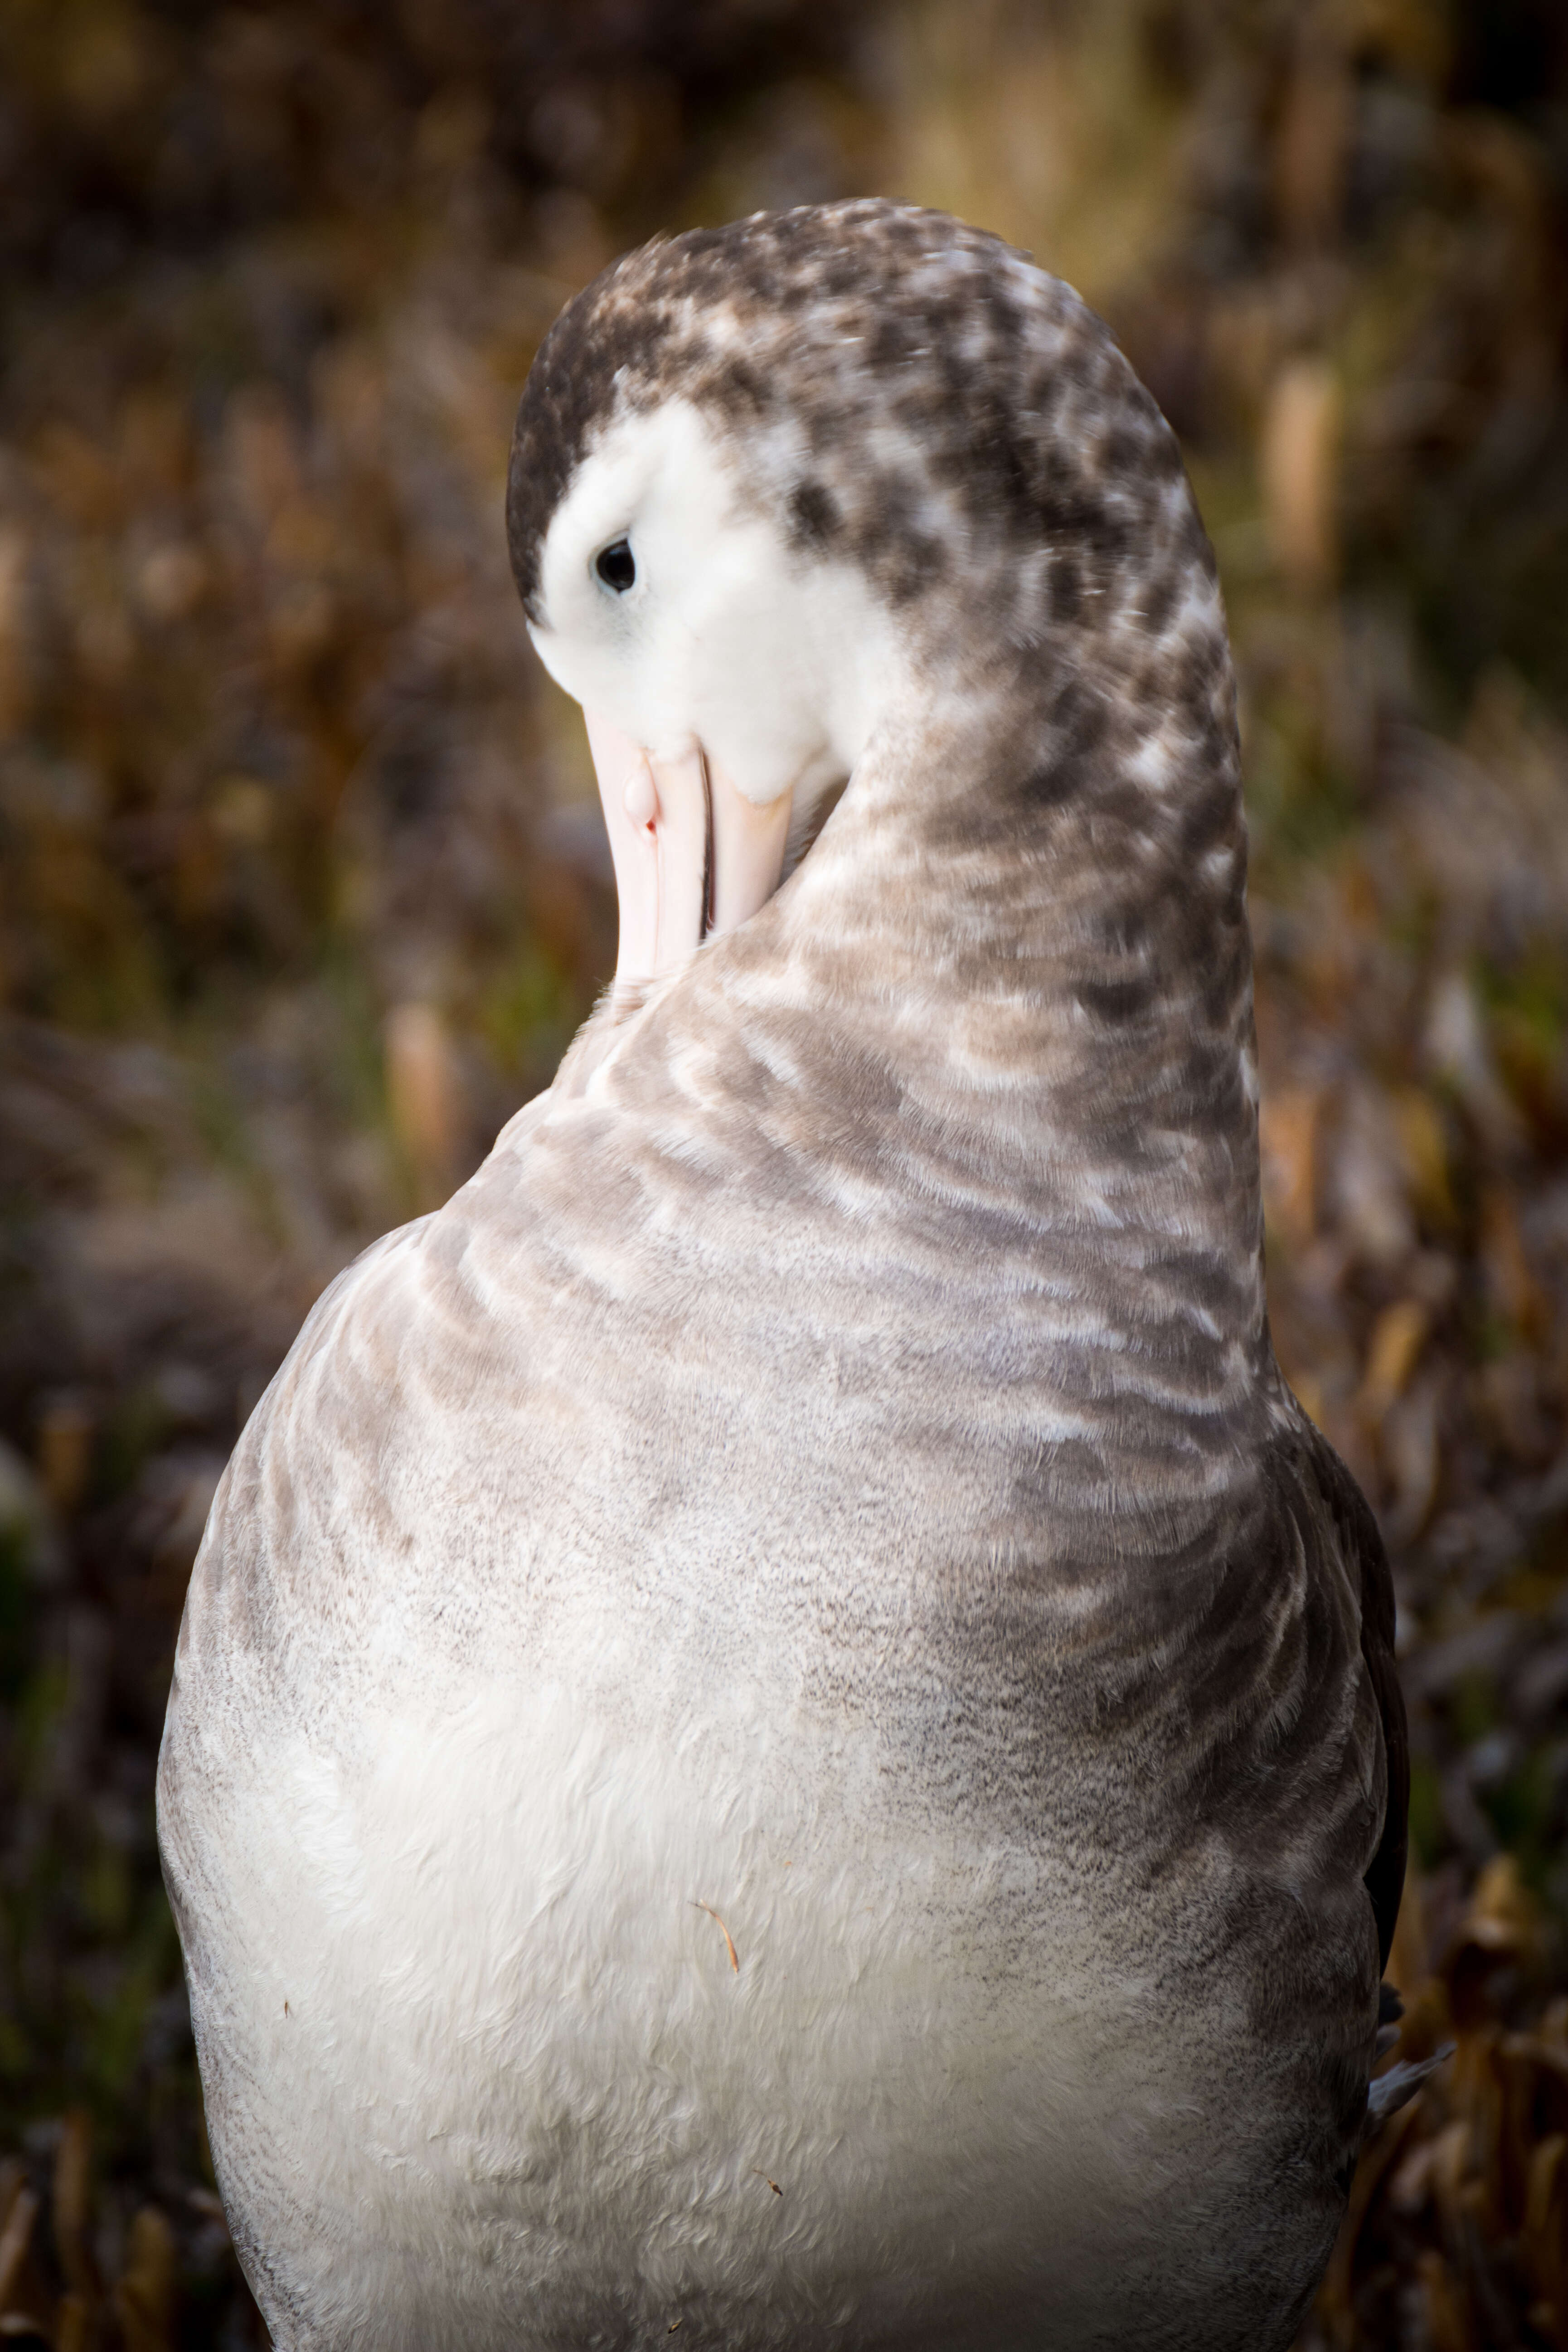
(1363, 1549)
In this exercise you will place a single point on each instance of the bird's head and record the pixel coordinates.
(772, 483)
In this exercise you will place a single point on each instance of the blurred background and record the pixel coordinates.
(303, 889)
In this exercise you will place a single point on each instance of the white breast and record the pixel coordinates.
(488, 2009)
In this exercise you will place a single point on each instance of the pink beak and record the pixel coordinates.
(693, 856)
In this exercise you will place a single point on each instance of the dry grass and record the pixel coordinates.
(301, 894)
(1456, 2233)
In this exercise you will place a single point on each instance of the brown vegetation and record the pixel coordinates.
(301, 890)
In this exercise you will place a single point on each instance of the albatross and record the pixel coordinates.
(783, 1729)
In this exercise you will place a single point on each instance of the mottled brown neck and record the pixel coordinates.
(1044, 929)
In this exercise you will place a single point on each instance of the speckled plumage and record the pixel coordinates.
(828, 1465)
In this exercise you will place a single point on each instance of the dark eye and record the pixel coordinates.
(617, 566)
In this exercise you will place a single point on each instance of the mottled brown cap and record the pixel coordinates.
(913, 396)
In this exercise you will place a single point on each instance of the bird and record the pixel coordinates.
(783, 1732)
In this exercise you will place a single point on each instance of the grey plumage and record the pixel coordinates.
(848, 1392)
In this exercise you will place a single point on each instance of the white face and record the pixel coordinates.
(727, 680)
(775, 665)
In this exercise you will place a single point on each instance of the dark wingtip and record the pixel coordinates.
(1386, 2094)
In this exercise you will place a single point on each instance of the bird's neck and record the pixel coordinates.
(1033, 901)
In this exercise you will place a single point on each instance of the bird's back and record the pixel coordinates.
(727, 1766)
